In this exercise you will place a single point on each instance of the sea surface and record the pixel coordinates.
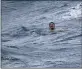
(27, 41)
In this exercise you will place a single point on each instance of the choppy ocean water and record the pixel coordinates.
(27, 41)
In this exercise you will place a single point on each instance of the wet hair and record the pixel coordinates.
(51, 23)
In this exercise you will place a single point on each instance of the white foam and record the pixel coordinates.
(74, 12)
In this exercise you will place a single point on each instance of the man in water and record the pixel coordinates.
(52, 26)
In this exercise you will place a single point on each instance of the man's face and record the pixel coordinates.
(52, 25)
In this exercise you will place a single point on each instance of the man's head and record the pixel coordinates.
(52, 26)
